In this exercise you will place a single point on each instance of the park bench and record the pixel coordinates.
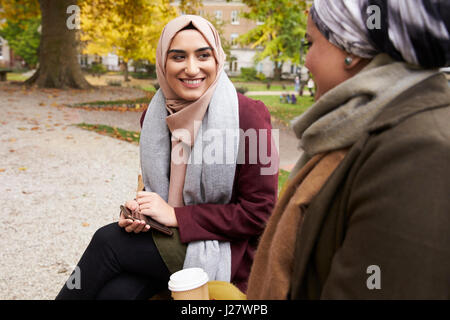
(3, 73)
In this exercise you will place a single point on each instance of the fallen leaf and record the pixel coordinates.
(85, 224)
(2, 170)
(22, 128)
(69, 137)
(35, 128)
(62, 270)
(12, 140)
(22, 169)
(11, 150)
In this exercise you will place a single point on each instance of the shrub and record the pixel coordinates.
(114, 83)
(242, 90)
(248, 74)
(97, 69)
(261, 76)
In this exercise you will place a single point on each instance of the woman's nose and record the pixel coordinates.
(191, 67)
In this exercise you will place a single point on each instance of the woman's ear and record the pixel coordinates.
(354, 64)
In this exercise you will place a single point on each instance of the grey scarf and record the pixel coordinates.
(205, 182)
(341, 116)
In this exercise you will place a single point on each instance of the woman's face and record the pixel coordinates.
(325, 61)
(190, 65)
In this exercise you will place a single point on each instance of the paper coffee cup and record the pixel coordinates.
(189, 284)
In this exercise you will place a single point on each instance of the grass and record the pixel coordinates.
(121, 134)
(257, 86)
(114, 102)
(11, 76)
(283, 111)
(282, 178)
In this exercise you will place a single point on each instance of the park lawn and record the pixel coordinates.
(282, 178)
(11, 76)
(285, 112)
(257, 86)
(113, 102)
(121, 134)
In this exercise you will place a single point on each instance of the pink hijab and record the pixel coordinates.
(183, 113)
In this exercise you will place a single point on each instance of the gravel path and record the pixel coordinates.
(58, 184)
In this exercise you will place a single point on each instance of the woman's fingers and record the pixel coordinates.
(132, 205)
(135, 226)
(124, 222)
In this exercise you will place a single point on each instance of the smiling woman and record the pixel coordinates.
(216, 211)
(193, 69)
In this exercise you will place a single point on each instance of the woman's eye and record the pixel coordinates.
(205, 55)
(177, 58)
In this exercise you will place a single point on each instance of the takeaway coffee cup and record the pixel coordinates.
(189, 284)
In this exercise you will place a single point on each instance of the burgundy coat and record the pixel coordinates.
(242, 221)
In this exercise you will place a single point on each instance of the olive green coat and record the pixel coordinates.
(380, 226)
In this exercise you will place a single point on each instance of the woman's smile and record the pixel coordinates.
(192, 83)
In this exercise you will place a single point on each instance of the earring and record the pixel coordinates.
(348, 61)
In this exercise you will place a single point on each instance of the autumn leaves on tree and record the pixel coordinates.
(128, 28)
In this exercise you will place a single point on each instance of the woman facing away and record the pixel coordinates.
(366, 213)
(215, 199)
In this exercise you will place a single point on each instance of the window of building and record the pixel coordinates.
(259, 67)
(233, 64)
(259, 22)
(234, 17)
(218, 15)
(234, 37)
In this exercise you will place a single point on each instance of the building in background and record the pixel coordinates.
(7, 57)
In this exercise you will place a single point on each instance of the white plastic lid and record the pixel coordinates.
(187, 279)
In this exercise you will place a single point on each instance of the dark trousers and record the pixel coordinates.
(118, 265)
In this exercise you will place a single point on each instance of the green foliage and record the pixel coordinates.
(242, 89)
(283, 176)
(248, 74)
(284, 24)
(23, 38)
(114, 83)
(144, 70)
(97, 69)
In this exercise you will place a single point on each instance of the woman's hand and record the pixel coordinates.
(130, 225)
(152, 205)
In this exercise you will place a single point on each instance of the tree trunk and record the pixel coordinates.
(125, 71)
(277, 71)
(58, 54)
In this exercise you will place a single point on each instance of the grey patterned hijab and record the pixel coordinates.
(414, 31)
